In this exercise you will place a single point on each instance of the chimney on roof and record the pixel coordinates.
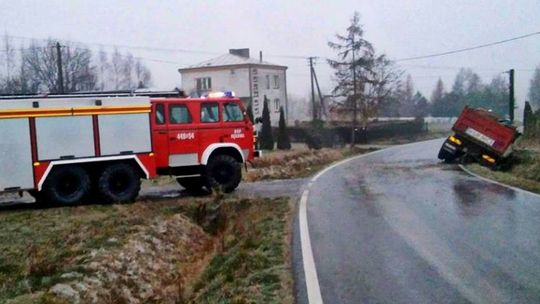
(260, 56)
(240, 52)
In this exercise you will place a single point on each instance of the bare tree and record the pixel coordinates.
(116, 69)
(406, 95)
(126, 71)
(384, 80)
(40, 64)
(9, 57)
(103, 70)
(79, 73)
(36, 69)
(142, 75)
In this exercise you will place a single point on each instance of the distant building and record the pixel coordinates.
(251, 80)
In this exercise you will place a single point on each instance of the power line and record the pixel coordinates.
(438, 67)
(469, 48)
(126, 46)
(149, 48)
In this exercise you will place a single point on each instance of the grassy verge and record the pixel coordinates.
(143, 252)
(251, 265)
(524, 172)
(296, 163)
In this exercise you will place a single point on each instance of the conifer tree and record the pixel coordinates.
(266, 138)
(249, 111)
(283, 141)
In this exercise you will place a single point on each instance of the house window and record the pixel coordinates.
(204, 84)
(179, 114)
(268, 82)
(276, 81)
(276, 105)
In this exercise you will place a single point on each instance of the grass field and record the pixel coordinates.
(524, 171)
(147, 252)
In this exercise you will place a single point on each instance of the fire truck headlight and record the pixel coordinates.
(454, 140)
(488, 158)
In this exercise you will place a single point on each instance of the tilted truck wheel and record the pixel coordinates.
(446, 156)
(224, 172)
(65, 185)
(119, 183)
(191, 183)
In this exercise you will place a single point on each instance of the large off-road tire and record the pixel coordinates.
(119, 183)
(192, 184)
(223, 172)
(446, 156)
(65, 185)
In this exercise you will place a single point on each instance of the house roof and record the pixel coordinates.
(228, 60)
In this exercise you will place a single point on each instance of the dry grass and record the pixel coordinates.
(524, 171)
(142, 252)
(295, 163)
(252, 262)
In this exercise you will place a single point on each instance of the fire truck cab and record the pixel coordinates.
(202, 141)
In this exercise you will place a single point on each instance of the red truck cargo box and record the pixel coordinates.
(483, 127)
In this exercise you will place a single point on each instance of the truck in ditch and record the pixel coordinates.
(64, 149)
(481, 136)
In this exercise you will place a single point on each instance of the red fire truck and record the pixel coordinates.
(479, 135)
(65, 149)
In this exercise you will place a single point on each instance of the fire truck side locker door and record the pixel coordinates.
(15, 154)
(183, 135)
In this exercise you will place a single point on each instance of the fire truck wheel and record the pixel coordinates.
(191, 183)
(446, 156)
(66, 185)
(119, 183)
(224, 172)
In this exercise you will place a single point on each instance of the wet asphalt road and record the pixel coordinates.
(400, 227)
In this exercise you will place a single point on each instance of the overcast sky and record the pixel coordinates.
(294, 28)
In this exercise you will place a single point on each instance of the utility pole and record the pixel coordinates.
(353, 67)
(314, 108)
(59, 65)
(511, 101)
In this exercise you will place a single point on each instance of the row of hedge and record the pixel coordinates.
(331, 136)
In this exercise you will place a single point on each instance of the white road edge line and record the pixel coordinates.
(310, 272)
(313, 288)
(496, 182)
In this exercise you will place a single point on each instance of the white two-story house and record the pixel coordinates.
(251, 80)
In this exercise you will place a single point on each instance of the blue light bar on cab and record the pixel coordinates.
(218, 94)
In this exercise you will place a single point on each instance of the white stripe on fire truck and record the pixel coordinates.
(87, 160)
